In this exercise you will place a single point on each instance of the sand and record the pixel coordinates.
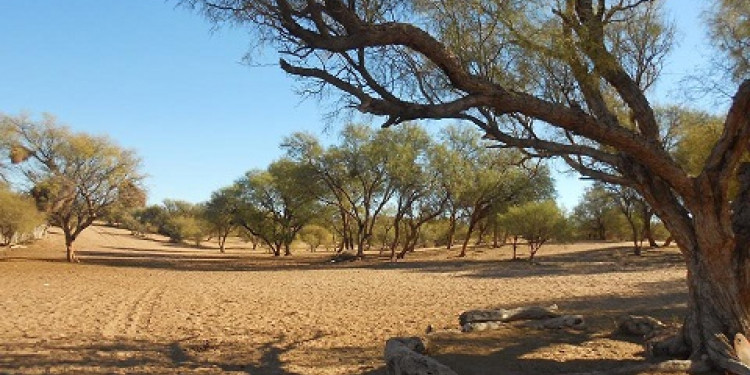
(146, 306)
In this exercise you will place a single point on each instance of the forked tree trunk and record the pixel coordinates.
(70, 251)
(718, 264)
(718, 301)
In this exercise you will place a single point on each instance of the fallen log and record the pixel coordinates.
(560, 322)
(507, 315)
(406, 356)
(642, 326)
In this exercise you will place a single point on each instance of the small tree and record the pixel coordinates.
(277, 203)
(597, 215)
(76, 177)
(186, 227)
(315, 236)
(220, 211)
(131, 198)
(18, 214)
(537, 223)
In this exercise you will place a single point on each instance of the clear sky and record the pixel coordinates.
(158, 79)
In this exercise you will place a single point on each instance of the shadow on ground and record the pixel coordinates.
(515, 349)
(127, 356)
(589, 262)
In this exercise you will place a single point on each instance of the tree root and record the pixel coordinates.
(718, 354)
(722, 355)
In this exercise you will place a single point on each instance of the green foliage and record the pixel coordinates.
(597, 216)
(18, 215)
(483, 182)
(353, 175)
(153, 219)
(537, 223)
(76, 177)
(690, 134)
(184, 227)
(729, 22)
(316, 236)
(220, 213)
(275, 204)
(131, 197)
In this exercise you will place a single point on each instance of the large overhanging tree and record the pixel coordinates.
(565, 78)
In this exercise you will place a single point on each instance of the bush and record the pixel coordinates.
(537, 223)
(315, 235)
(182, 228)
(18, 215)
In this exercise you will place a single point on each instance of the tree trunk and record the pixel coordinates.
(636, 243)
(69, 250)
(410, 242)
(495, 236)
(396, 237)
(71, 253)
(482, 231)
(451, 229)
(223, 242)
(472, 222)
(717, 310)
(287, 250)
(601, 231)
(718, 278)
(647, 232)
(361, 241)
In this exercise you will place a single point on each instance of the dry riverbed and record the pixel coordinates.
(146, 306)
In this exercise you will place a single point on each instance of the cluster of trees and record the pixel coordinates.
(396, 188)
(567, 79)
(18, 215)
(71, 178)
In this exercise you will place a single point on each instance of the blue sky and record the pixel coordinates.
(156, 78)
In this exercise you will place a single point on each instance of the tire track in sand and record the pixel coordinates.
(133, 316)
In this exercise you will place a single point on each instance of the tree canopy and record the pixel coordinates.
(75, 178)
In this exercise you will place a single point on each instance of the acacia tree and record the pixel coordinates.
(418, 194)
(567, 80)
(631, 207)
(220, 213)
(75, 177)
(277, 203)
(537, 223)
(18, 215)
(483, 181)
(354, 175)
(596, 215)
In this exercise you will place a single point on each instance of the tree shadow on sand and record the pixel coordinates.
(105, 356)
(518, 350)
(586, 262)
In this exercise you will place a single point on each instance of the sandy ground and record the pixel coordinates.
(147, 306)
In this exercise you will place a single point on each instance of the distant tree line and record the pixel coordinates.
(390, 190)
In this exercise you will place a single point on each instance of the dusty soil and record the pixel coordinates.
(146, 306)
